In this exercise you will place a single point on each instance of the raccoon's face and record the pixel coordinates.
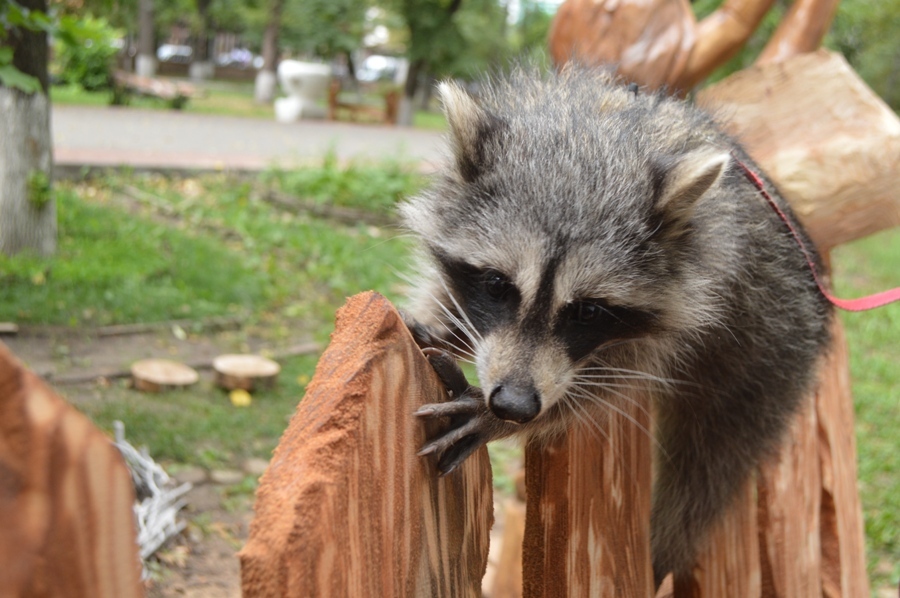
(545, 264)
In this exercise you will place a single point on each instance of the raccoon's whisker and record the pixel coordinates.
(585, 418)
(467, 342)
(600, 401)
(606, 384)
(462, 313)
(589, 387)
(638, 373)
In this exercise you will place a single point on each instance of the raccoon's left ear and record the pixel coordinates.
(681, 184)
(475, 131)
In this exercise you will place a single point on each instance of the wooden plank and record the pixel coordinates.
(66, 498)
(837, 161)
(346, 508)
(587, 531)
(729, 564)
(842, 537)
(789, 495)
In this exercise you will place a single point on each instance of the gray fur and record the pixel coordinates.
(571, 188)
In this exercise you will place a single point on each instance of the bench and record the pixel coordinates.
(176, 93)
(354, 110)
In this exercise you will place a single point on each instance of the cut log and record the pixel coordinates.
(837, 161)
(158, 375)
(247, 372)
(346, 508)
(66, 498)
(587, 531)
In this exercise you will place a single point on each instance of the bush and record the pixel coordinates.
(87, 59)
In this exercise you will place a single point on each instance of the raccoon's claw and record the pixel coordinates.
(471, 423)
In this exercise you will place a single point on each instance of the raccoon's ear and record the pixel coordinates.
(681, 184)
(474, 131)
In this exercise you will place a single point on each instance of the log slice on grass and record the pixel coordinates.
(248, 372)
(346, 508)
(157, 375)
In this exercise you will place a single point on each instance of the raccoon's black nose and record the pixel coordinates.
(515, 404)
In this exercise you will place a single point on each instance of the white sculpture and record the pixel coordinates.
(306, 85)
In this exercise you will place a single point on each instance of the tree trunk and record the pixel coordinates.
(145, 64)
(202, 66)
(264, 91)
(27, 209)
(405, 111)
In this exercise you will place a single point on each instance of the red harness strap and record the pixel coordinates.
(861, 304)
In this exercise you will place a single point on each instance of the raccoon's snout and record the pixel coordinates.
(514, 403)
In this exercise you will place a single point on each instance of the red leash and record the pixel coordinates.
(861, 304)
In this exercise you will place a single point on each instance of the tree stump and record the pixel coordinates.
(247, 372)
(158, 375)
(66, 498)
(346, 508)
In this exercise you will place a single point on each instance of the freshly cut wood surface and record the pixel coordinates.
(157, 375)
(587, 531)
(67, 527)
(249, 372)
(824, 138)
(842, 536)
(346, 508)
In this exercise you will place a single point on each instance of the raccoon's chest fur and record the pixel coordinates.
(588, 242)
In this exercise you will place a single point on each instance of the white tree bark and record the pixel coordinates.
(27, 208)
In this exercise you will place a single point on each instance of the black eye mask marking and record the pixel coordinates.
(488, 296)
(584, 325)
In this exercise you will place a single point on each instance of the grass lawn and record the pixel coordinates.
(221, 97)
(147, 248)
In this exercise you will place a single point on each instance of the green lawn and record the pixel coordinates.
(148, 248)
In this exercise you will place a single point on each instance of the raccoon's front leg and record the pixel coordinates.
(471, 423)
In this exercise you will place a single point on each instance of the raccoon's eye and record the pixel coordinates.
(584, 312)
(496, 284)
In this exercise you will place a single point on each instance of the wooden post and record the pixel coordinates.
(587, 531)
(346, 508)
(67, 527)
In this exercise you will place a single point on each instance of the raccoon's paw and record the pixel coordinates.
(424, 336)
(471, 423)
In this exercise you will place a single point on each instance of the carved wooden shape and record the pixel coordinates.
(346, 508)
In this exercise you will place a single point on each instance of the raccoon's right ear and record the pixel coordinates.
(474, 131)
(681, 182)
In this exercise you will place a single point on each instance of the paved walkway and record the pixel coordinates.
(113, 136)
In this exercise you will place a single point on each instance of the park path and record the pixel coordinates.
(116, 136)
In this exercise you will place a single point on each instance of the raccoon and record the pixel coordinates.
(588, 242)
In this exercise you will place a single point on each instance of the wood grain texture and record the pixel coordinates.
(842, 536)
(66, 498)
(346, 508)
(729, 565)
(508, 576)
(789, 497)
(587, 531)
(837, 161)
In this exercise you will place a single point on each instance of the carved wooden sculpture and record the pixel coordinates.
(660, 43)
